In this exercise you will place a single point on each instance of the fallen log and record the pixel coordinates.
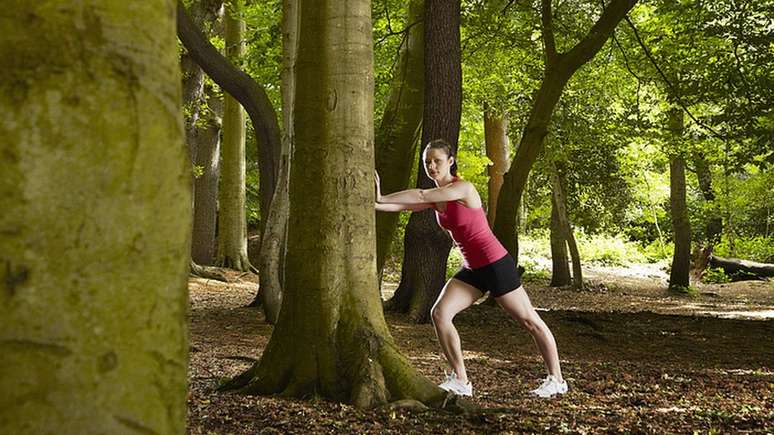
(207, 272)
(740, 270)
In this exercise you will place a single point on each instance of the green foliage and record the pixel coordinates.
(608, 250)
(715, 276)
(655, 251)
(454, 263)
(687, 291)
(758, 248)
(198, 171)
(533, 271)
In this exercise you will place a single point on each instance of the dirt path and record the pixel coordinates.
(632, 366)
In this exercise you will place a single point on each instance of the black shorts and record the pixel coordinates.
(498, 278)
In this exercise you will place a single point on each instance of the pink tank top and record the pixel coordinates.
(470, 231)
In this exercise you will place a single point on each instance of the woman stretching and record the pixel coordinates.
(487, 267)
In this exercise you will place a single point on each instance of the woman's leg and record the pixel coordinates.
(455, 297)
(516, 303)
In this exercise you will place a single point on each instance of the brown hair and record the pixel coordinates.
(441, 144)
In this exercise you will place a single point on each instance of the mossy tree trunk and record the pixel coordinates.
(232, 220)
(202, 132)
(496, 139)
(397, 135)
(426, 245)
(558, 70)
(95, 224)
(273, 243)
(331, 338)
(681, 227)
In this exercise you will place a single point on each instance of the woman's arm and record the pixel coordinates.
(400, 207)
(451, 192)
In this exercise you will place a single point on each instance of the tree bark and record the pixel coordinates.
(95, 224)
(559, 68)
(397, 135)
(714, 223)
(681, 226)
(559, 202)
(496, 139)
(245, 90)
(331, 339)
(560, 270)
(232, 220)
(426, 245)
(273, 243)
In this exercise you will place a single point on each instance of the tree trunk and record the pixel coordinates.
(273, 243)
(559, 68)
(397, 136)
(202, 132)
(95, 224)
(232, 221)
(560, 271)
(496, 138)
(559, 202)
(249, 94)
(714, 223)
(426, 245)
(681, 226)
(331, 339)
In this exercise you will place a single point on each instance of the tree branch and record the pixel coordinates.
(245, 90)
(584, 50)
(549, 44)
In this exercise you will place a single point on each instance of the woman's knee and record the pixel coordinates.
(531, 322)
(440, 314)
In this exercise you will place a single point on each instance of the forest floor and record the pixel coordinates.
(637, 359)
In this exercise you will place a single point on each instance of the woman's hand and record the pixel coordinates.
(378, 189)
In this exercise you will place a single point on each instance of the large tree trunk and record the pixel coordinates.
(559, 68)
(95, 222)
(426, 245)
(396, 138)
(232, 221)
(272, 252)
(202, 133)
(331, 339)
(496, 139)
(681, 226)
(245, 90)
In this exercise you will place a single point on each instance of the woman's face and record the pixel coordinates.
(437, 163)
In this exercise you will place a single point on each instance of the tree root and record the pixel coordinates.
(207, 272)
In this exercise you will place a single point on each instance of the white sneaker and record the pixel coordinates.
(454, 385)
(550, 388)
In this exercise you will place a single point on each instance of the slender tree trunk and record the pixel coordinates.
(331, 338)
(714, 223)
(426, 245)
(397, 135)
(681, 227)
(496, 138)
(202, 132)
(559, 68)
(273, 242)
(232, 221)
(560, 272)
(249, 94)
(559, 202)
(95, 220)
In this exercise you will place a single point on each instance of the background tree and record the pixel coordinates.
(397, 135)
(203, 113)
(95, 221)
(559, 68)
(426, 244)
(232, 222)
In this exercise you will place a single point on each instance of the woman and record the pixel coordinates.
(487, 267)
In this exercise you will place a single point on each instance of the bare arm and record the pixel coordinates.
(401, 207)
(459, 190)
